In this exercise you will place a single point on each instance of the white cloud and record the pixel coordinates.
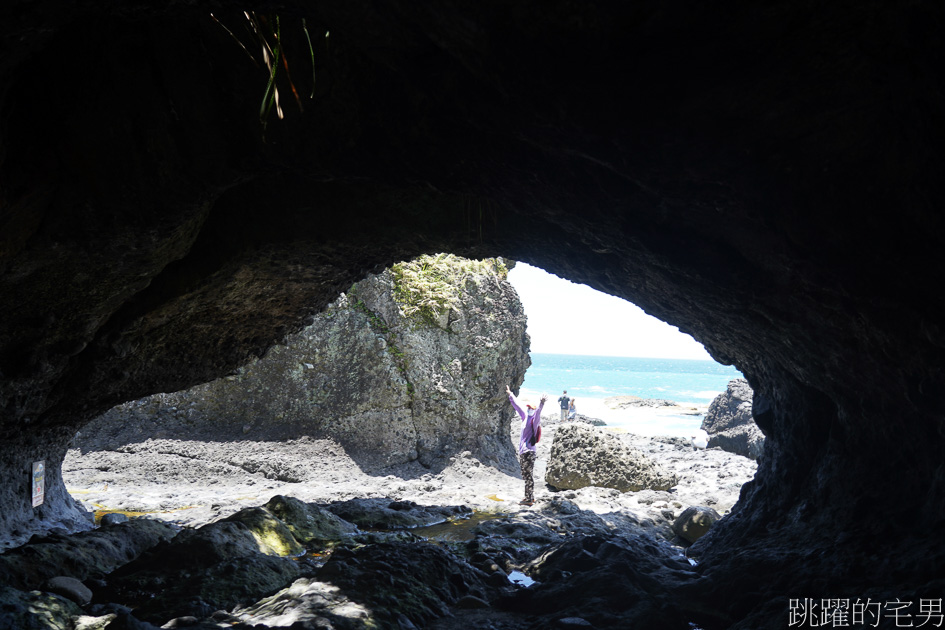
(569, 318)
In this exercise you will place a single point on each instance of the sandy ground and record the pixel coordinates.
(192, 483)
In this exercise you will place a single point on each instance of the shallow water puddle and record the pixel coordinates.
(456, 530)
(517, 577)
(102, 511)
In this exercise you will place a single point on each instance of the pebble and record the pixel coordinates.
(113, 518)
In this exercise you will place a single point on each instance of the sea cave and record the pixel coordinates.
(766, 177)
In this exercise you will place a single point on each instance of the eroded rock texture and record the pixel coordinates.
(766, 177)
(583, 455)
(409, 364)
(730, 424)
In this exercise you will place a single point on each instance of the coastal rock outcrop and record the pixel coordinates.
(409, 364)
(730, 423)
(582, 455)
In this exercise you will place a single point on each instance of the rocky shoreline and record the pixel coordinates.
(199, 485)
(194, 482)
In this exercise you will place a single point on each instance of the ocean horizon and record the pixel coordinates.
(590, 379)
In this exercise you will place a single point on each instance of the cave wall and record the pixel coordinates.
(766, 178)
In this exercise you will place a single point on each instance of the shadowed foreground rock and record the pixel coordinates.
(84, 555)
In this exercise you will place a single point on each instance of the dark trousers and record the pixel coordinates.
(528, 467)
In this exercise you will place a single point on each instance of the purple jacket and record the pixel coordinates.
(530, 423)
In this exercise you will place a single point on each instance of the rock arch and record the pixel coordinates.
(765, 178)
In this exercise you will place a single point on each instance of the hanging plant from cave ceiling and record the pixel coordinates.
(266, 35)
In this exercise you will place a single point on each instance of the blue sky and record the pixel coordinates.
(569, 318)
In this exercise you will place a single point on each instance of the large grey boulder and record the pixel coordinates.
(730, 424)
(582, 455)
(409, 364)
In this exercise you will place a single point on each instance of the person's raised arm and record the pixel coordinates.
(541, 404)
(514, 402)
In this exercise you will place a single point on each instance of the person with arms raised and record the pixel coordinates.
(528, 442)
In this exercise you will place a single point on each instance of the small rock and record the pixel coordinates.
(694, 522)
(113, 518)
(181, 622)
(70, 588)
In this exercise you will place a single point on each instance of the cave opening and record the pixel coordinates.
(767, 177)
(153, 446)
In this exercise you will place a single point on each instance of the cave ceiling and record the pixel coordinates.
(767, 177)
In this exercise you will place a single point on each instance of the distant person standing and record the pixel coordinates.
(572, 410)
(564, 401)
(527, 443)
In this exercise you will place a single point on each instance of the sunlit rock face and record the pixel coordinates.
(765, 177)
(408, 365)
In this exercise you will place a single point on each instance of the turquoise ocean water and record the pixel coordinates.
(680, 380)
(590, 379)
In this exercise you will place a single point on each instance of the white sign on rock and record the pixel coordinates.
(38, 483)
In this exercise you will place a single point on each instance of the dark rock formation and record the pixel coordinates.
(730, 424)
(764, 176)
(398, 581)
(387, 514)
(583, 455)
(85, 555)
(694, 522)
(409, 364)
(35, 610)
(235, 561)
(70, 588)
(310, 524)
(621, 577)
